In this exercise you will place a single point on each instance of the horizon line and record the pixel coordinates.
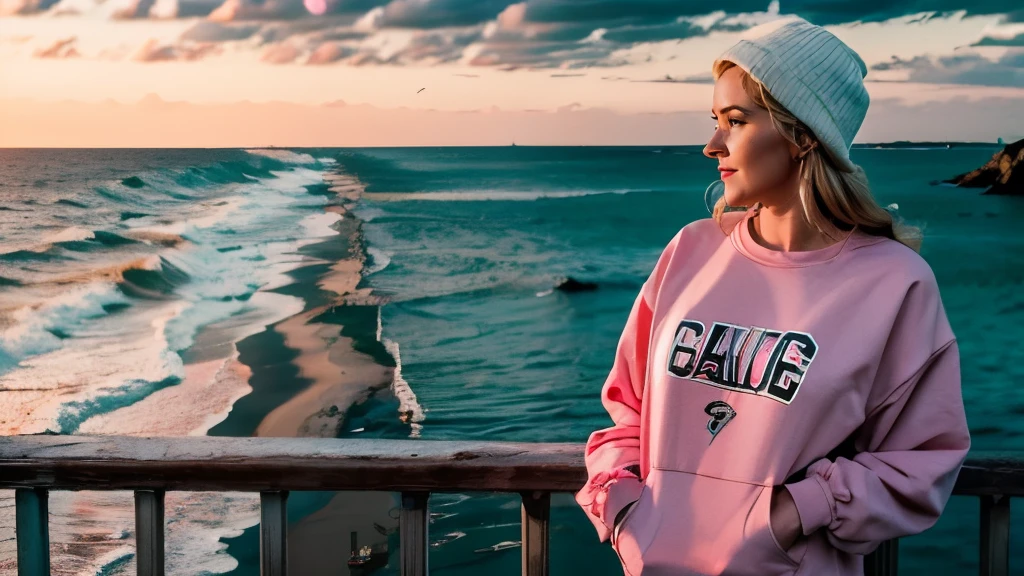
(513, 145)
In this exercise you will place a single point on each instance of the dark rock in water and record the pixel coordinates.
(573, 285)
(133, 182)
(1002, 175)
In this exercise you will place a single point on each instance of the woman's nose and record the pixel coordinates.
(715, 146)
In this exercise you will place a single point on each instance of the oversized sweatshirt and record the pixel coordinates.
(833, 373)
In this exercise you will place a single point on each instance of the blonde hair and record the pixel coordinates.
(833, 200)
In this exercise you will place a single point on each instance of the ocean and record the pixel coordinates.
(217, 292)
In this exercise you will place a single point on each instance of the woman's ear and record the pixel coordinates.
(806, 145)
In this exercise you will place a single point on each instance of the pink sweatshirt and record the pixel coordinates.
(833, 372)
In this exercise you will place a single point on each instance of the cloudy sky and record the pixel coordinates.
(422, 72)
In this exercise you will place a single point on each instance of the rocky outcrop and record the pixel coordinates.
(1002, 175)
(573, 285)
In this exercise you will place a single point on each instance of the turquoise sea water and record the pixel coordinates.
(492, 354)
(467, 244)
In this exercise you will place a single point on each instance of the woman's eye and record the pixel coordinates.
(732, 122)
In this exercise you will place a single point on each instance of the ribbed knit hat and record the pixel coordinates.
(814, 75)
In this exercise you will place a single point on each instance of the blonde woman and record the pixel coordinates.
(786, 391)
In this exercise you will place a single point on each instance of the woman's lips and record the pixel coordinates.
(727, 173)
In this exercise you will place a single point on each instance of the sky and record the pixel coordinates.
(212, 73)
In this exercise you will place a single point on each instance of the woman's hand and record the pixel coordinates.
(785, 518)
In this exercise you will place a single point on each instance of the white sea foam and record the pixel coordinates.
(319, 225)
(69, 235)
(83, 543)
(119, 374)
(503, 545)
(381, 259)
(285, 155)
(447, 539)
(368, 213)
(114, 361)
(408, 407)
(208, 214)
(38, 328)
(449, 499)
(486, 195)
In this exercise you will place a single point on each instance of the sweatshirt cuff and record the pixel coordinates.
(813, 503)
(620, 493)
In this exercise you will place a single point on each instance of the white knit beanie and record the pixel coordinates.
(814, 75)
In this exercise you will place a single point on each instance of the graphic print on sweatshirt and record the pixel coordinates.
(721, 414)
(752, 360)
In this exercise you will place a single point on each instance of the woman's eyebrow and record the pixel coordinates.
(733, 107)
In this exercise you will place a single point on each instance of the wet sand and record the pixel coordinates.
(341, 377)
(191, 408)
(329, 354)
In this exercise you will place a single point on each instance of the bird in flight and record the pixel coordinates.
(420, 90)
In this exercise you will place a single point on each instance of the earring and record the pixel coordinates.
(714, 191)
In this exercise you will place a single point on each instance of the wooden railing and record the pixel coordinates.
(34, 465)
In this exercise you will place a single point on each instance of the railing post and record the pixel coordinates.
(884, 561)
(995, 535)
(536, 516)
(274, 533)
(149, 532)
(32, 531)
(412, 533)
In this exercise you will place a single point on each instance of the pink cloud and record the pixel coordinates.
(283, 53)
(59, 49)
(512, 16)
(253, 10)
(12, 7)
(153, 51)
(329, 52)
(365, 58)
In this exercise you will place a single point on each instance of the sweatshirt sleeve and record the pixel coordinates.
(909, 450)
(613, 454)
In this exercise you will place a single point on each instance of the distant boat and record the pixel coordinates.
(360, 558)
(367, 558)
(513, 144)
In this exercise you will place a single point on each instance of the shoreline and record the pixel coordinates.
(310, 372)
(295, 366)
(307, 373)
(341, 376)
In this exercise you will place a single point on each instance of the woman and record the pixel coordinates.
(786, 391)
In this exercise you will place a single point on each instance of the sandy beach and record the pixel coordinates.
(336, 376)
(341, 377)
(288, 368)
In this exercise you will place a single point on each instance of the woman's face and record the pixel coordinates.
(755, 161)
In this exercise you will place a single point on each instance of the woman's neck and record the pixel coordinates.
(786, 229)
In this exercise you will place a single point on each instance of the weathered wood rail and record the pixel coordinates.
(34, 465)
